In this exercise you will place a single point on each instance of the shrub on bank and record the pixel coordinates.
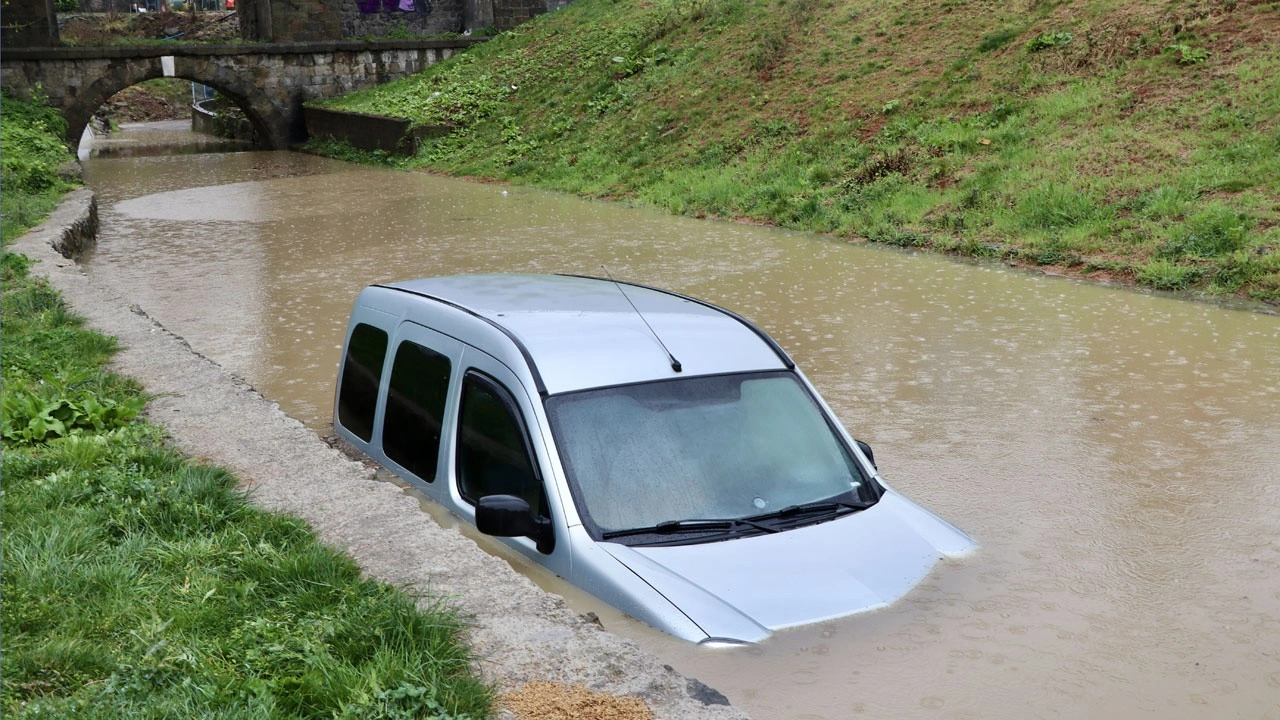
(31, 135)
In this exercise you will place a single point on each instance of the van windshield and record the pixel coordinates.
(719, 447)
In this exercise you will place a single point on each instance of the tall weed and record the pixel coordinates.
(1213, 231)
(1053, 206)
(1162, 274)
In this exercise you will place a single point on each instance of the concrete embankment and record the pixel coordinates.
(520, 632)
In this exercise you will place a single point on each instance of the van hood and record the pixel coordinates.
(744, 589)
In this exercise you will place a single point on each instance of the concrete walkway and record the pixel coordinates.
(520, 632)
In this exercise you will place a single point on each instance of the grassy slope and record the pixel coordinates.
(1136, 139)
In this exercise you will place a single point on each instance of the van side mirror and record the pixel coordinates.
(866, 450)
(510, 516)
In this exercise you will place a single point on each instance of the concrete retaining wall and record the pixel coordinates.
(212, 117)
(369, 132)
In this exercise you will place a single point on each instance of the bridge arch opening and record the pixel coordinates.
(173, 101)
(108, 89)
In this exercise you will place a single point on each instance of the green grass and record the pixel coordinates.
(138, 584)
(31, 135)
(1066, 135)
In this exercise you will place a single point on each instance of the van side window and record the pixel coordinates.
(361, 373)
(493, 450)
(415, 409)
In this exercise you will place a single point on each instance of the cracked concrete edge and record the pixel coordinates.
(518, 631)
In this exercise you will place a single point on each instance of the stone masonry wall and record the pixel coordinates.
(394, 17)
(381, 18)
(306, 20)
(289, 20)
(508, 14)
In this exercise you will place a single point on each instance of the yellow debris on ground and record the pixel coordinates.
(543, 700)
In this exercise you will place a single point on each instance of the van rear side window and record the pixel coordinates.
(415, 409)
(361, 374)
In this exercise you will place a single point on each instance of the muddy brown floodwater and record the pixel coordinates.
(1116, 455)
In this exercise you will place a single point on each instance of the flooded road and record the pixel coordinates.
(1116, 455)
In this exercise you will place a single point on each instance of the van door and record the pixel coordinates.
(498, 450)
(420, 399)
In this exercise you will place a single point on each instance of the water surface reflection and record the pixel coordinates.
(1115, 454)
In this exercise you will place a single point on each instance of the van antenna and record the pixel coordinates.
(675, 364)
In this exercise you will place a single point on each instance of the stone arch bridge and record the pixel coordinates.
(269, 81)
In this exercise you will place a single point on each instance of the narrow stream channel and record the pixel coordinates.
(1116, 455)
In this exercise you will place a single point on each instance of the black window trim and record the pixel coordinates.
(381, 372)
(508, 399)
(393, 354)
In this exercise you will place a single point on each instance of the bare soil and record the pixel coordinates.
(116, 28)
(144, 104)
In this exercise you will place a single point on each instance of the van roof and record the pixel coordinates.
(582, 332)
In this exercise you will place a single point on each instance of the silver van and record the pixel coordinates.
(661, 453)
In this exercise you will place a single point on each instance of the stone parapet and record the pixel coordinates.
(180, 50)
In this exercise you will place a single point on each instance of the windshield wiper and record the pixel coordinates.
(822, 509)
(804, 514)
(667, 527)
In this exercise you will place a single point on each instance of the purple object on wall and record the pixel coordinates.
(422, 7)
